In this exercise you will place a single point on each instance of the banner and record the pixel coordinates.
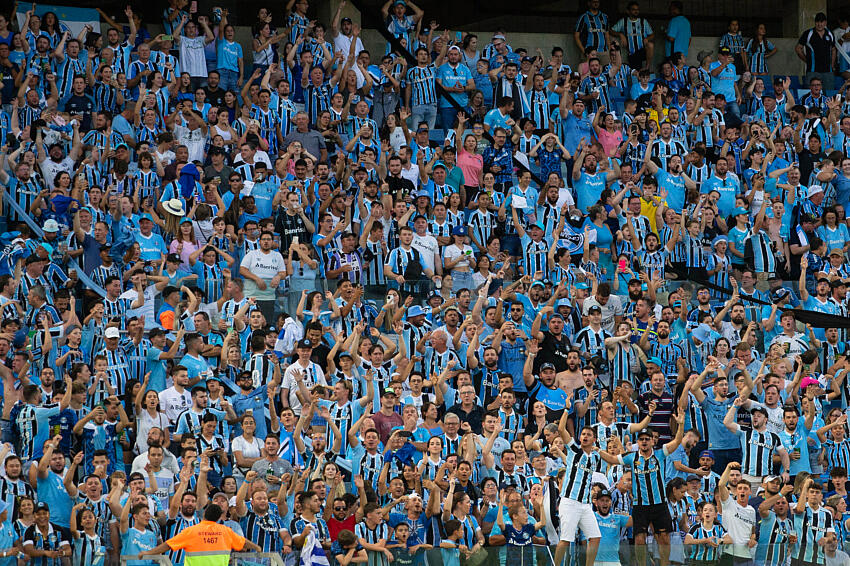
(72, 19)
(36, 229)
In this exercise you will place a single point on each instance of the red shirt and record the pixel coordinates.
(335, 526)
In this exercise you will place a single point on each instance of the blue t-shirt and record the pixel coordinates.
(152, 247)
(494, 119)
(728, 189)
(588, 188)
(451, 77)
(797, 441)
(134, 542)
(157, 369)
(228, 55)
(611, 527)
(196, 366)
(724, 83)
(675, 186)
(719, 437)
(52, 491)
(679, 29)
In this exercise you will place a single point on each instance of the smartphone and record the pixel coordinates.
(295, 240)
(193, 7)
(622, 265)
(458, 36)
(168, 38)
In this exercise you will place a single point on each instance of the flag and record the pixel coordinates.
(72, 19)
(312, 553)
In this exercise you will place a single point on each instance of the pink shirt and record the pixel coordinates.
(610, 142)
(471, 164)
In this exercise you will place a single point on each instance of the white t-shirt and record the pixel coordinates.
(249, 450)
(612, 308)
(264, 266)
(738, 522)
(194, 141)
(50, 169)
(411, 174)
(146, 423)
(342, 43)
(468, 263)
(427, 247)
(192, 58)
(313, 375)
(173, 403)
(146, 309)
(839, 559)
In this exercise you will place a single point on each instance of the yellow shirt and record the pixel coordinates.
(648, 208)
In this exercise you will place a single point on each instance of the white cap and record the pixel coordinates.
(111, 332)
(813, 190)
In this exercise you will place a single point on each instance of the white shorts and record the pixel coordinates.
(573, 516)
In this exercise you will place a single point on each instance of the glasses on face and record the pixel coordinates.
(339, 508)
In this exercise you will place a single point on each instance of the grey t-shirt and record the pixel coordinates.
(278, 467)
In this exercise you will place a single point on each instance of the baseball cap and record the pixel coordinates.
(415, 310)
(42, 507)
(555, 315)
(779, 293)
(111, 332)
(582, 285)
(105, 247)
(174, 258)
(304, 343)
(538, 225)
(768, 479)
(538, 283)
(547, 365)
(388, 391)
(50, 226)
(346, 354)
(761, 410)
(145, 216)
(836, 251)
(603, 493)
(564, 303)
(706, 454)
(346, 19)
(692, 477)
(724, 51)
(813, 190)
(595, 308)
(654, 360)
(440, 164)
(459, 231)
(644, 432)
(739, 210)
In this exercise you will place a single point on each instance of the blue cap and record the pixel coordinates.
(706, 454)
(538, 283)
(145, 216)
(655, 361)
(555, 315)
(538, 225)
(459, 231)
(564, 303)
(440, 164)
(582, 285)
(739, 210)
(719, 238)
(347, 354)
(415, 310)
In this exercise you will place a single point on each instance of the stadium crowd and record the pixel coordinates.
(456, 302)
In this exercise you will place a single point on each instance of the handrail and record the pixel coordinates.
(161, 559)
(274, 558)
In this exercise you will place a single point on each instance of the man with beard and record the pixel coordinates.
(182, 512)
(588, 180)
(703, 305)
(554, 343)
(169, 461)
(13, 486)
(544, 386)
(662, 347)
(260, 523)
(532, 302)
(821, 301)
(733, 329)
(485, 374)
(723, 444)
(671, 178)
